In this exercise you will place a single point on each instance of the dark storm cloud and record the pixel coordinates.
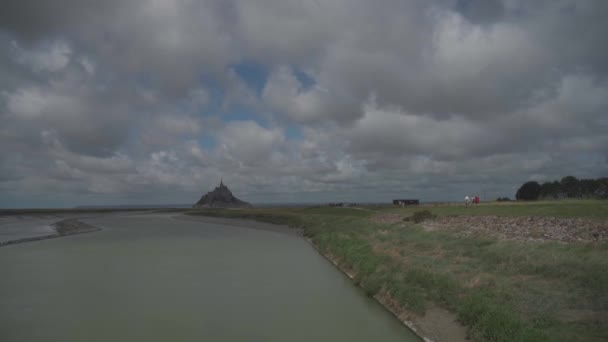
(34, 20)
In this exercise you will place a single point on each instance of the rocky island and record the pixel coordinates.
(220, 197)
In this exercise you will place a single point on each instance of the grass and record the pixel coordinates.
(594, 209)
(501, 290)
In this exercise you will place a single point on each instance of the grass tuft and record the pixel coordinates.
(419, 216)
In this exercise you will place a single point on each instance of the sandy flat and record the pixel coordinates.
(22, 227)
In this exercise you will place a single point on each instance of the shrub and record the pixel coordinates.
(422, 215)
(490, 320)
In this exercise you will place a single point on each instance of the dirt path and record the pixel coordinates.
(525, 228)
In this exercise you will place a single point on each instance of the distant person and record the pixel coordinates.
(467, 201)
(476, 200)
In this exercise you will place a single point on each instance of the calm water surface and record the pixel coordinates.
(156, 278)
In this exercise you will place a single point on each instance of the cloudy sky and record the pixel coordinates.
(152, 101)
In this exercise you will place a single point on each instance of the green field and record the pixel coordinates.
(500, 290)
(566, 208)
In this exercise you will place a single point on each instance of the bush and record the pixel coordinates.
(529, 191)
(602, 190)
(422, 215)
(490, 320)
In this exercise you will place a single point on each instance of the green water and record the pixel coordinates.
(156, 278)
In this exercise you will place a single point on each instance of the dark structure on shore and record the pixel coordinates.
(220, 197)
(406, 202)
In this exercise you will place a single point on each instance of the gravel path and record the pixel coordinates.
(525, 228)
(514, 228)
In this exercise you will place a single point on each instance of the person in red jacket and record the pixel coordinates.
(476, 200)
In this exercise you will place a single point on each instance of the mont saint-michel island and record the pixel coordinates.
(220, 197)
(327, 171)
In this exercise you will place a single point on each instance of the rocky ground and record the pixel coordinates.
(515, 228)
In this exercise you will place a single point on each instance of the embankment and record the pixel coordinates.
(436, 325)
(501, 287)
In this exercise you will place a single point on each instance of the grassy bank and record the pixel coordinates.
(501, 290)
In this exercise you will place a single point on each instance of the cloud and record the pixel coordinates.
(284, 93)
(481, 12)
(394, 132)
(248, 142)
(354, 100)
(80, 116)
(51, 58)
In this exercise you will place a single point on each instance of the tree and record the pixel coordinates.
(549, 190)
(602, 189)
(567, 187)
(570, 185)
(588, 187)
(529, 191)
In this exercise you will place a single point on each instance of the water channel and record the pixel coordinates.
(164, 278)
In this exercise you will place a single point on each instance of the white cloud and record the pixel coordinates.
(396, 132)
(248, 142)
(27, 103)
(284, 93)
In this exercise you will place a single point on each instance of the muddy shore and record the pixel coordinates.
(62, 228)
(436, 325)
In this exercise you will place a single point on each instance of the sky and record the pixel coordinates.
(153, 101)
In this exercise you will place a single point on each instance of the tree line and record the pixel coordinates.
(567, 187)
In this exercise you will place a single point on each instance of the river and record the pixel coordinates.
(163, 278)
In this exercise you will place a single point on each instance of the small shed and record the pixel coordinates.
(404, 202)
